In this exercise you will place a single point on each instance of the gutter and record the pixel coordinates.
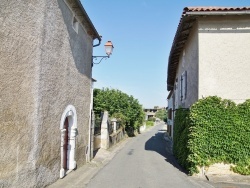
(99, 42)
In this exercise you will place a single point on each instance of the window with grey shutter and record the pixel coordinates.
(183, 86)
(180, 91)
(185, 89)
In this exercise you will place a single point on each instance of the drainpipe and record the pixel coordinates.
(99, 42)
(89, 153)
(90, 145)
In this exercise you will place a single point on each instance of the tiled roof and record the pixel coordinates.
(198, 9)
(187, 20)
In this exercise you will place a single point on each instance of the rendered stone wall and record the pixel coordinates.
(45, 66)
(224, 57)
(188, 62)
(20, 38)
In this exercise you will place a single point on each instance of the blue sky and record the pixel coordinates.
(142, 32)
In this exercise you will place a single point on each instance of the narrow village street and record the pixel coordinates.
(145, 162)
(80, 78)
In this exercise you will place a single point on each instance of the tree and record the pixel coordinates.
(161, 114)
(119, 105)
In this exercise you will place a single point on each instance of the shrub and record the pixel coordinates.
(161, 114)
(151, 119)
(119, 105)
(149, 123)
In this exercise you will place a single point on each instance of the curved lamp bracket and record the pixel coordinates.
(96, 57)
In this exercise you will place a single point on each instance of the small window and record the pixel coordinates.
(75, 24)
(183, 58)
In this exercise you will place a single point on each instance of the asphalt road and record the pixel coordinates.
(145, 162)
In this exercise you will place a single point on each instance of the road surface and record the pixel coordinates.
(145, 162)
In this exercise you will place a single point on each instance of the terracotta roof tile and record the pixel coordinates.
(198, 9)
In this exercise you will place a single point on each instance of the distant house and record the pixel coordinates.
(150, 112)
(45, 90)
(209, 56)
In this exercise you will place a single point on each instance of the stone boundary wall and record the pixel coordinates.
(111, 133)
(116, 137)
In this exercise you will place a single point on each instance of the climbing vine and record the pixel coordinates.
(215, 130)
(181, 133)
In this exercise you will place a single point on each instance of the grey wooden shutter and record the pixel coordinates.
(185, 89)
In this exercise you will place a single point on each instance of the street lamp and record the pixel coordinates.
(108, 49)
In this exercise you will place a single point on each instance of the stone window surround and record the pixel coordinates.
(75, 21)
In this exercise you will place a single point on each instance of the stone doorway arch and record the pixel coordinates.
(68, 128)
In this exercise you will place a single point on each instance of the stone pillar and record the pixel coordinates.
(104, 131)
(71, 149)
(114, 123)
(62, 170)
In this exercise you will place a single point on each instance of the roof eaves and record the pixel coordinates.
(181, 36)
(92, 30)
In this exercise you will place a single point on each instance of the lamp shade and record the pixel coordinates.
(109, 48)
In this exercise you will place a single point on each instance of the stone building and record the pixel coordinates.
(45, 90)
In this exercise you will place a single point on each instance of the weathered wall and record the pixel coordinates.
(116, 137)
(224, 58)
(20, 38)
(65, 79)
(188, 62)
(45, 66)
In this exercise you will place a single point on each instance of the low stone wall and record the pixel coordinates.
(142, 128)
(111, 133)
(116, 137)
(97, 142)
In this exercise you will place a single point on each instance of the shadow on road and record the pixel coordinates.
(158, 144)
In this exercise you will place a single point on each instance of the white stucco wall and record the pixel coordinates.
(224, 57)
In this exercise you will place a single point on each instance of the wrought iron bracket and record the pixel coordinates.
(96, 57)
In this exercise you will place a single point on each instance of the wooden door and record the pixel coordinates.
(65, 143)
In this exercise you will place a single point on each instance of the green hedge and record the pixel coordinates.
(215, 130)
(152, 119)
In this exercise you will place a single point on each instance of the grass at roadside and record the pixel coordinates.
(149, 124)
